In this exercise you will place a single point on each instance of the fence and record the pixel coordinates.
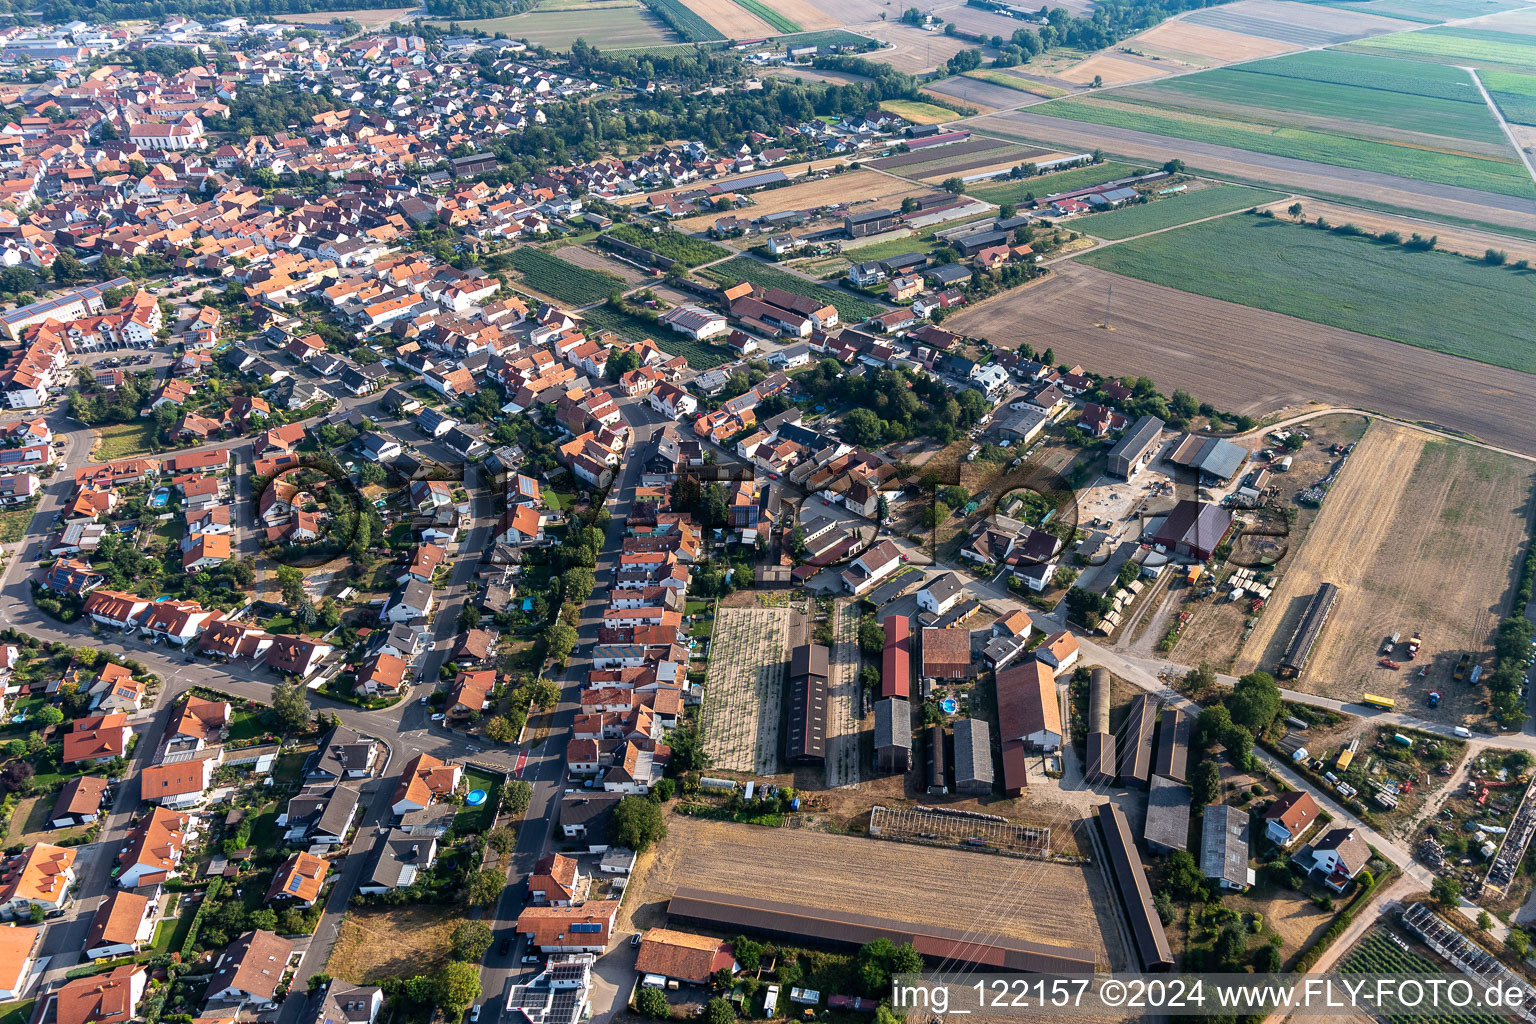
(982, 833)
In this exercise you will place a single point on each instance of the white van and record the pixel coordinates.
(1463, 732)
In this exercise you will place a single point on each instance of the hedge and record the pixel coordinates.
(209, 895)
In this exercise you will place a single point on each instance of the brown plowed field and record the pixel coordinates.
(1020, 899)
(1467, 241)
(1418, 534)
(735, 21)
(808, 17)
(1225, 161)
(1251, 360)
(848, 187)
(1203, 46)
(1113, 69)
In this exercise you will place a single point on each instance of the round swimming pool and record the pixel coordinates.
(950, 705)
(475, 798)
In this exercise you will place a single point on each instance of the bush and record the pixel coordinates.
(652, 1002)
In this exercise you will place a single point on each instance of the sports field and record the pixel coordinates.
(1171, 211)
(1418, 534)
(1425, 299)
(1465, 46)
(605, 29)
(1354, 110)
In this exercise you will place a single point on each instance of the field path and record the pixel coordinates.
(1498, 115)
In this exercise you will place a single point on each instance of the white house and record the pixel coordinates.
(941, 593)
(871, 567)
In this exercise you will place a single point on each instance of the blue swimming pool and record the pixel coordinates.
(950, 705)
(160, 498)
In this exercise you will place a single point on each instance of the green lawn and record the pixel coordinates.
(172, 934)
(473, 820)
(14, 523)
(245, 724)
(1173, 210)
(1425, 299)
(18, 1012)
(1504, 177)
(1005, 191)
(125, 440)
(850, 307)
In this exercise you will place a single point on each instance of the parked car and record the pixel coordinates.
(504, 946)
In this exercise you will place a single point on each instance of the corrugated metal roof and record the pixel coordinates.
(1136, 749)
(1167, 815)
(1173, 745)
(1135, 894)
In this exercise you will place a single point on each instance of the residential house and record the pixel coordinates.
(178, 784)
(79, 801)
(424, 781)
(1289, 816)
(298, 881)
(39, 876)
(122, 925)
(683, 957)
(153, 849)
(583, 929)
(250, 969)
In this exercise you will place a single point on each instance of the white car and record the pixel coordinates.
(438, 717)
(474, 1013)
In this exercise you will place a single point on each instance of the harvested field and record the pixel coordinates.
(1006, 157)
(1114, 69)
(1302, 24)
(1187, 341)
(970, 147)
(818, 75)
(744, 689)
(809, 17)
(918, 112)
(370, 17)
(1014, 191)
(914, 51)
(1011, 78)
(593, 260)
(848, 187)
(1418, 534)
(1467, 241)
(1019, 899)
(392, 942)
(851, 12)
(978, 93)
(1202, 45)
(1264, 168)
(979, 22)
(560, 28)
(730, 19)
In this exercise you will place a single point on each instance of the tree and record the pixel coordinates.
(458, 986)
(499, 730)
(559, 641)
(291, 707)
(882, 511)
(501, 837)
(862, 428)
(1239, 743)
(871, 637)
(577, 584)
(264, 919)
(1173, 167)
(1294, 210)
(292, 582)
(484, 887)
(1201, 679)
(935, 514)
(955, 185)
(719, 1011)
(688, 753)
(1231, 946)
(651, 1002)
(663, 790)
(50, 715)
(470, 940)
(1254, 702)
(906, 960)
(1206, 783)
(1212, 726)
(1484, 920)
(1446, 891)
(637, 823)
(1184, 880)
(1266, 960)
(516, 795)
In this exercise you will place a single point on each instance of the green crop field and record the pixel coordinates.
(769, 15)
(674, 245)
(1408, 161)
(1480, 48)
(1007, 81)
(1171, 211)
(1424, 299)
(1428, 12)
(1378, 954)
(1014, 191)
(558, 29)
(1514, 93)
(1368, 71)
(561, 280)
(687, 24)
(850, 307)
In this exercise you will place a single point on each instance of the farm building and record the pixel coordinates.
(680, 956)
(1028, 718)
(1173, 745)
(1216, 459)
(869, 222)
(732, 914)
(1308, 630)
(1224, 847)
(1100, 768)
(1135, 894)
(936, 775)
(1136, 745)
(1194, 529)
(806, 740)
(973, 756)
(893, 735)
(1130, 452)
(896, 659)
(1167, 816)
(946, 653)
(970, 245)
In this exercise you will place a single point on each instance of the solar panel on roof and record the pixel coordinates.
(294, 883)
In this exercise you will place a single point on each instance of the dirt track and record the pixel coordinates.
(1467, 241)
(1303, 175)
(1030, 900)
(1418, 534)
(1251, 360)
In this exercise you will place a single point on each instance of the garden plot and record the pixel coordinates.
(843, 699)
(744, 689)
